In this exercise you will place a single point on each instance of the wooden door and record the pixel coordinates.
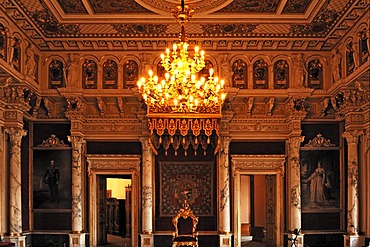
(102, 207)
(270, 210)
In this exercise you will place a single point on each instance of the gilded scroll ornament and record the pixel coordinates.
(319, 141)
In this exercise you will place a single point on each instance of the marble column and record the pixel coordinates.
(15, 193)
(77, 238)
(294, 178)
(353, 205)
(147, 194)
(224, 193)
(15, 197)
(2, 184)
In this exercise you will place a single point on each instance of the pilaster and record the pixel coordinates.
(15, 193)
(294, 188)
(77, 150)
(353, 205)
(147, 194)
(224, 193)
(2, 184)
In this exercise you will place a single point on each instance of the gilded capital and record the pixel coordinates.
(352, 136)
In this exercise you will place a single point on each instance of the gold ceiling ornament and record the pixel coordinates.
(180, 91)
(181, 104)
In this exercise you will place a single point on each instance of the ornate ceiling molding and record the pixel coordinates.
(53, 27)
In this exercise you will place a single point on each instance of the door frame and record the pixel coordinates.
(259, 165)
(102, 164)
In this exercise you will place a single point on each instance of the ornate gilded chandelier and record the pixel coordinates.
(183, 110)
(181, 91)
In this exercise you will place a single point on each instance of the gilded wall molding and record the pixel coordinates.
(258, 163)
(103, 162)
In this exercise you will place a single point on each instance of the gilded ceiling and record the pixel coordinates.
(147, 24)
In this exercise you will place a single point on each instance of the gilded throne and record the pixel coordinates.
(185, 224)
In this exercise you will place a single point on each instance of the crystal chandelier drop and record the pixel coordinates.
(181, 91)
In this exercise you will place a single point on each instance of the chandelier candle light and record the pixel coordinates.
(180, 91)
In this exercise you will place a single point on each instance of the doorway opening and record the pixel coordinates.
(258, 197)
(253, 216)
(101, 167)
(115, 210)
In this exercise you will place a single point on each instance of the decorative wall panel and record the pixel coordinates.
(181, 181)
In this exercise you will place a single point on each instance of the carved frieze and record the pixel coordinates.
(99, 127)
(50, 26)
(11, 115)
(320, 25)
(352, 98)
(258, 163)
(136, 29)
(129, 163)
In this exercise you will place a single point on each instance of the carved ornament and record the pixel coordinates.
(319, 141)
(53, 141)
(100, 163)
(258, 163)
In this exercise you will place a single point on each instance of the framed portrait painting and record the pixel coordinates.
(52, 179)
(321, 190)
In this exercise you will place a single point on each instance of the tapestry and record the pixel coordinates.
(190, 181)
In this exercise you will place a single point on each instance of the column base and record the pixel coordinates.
(147, 240)
(225, 240)
(367, 241)
(298, 240)
(77, 239)
(354, 240)
(20, 241)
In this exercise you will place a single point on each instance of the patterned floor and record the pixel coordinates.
(115, 241)
(253, 244)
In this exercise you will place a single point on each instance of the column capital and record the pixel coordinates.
(224, 145)
(352, 136)
(145, 142)
(294, 142)
(15, 134)
(77, 141)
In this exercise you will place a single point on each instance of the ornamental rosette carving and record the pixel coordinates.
(74, 105)
(297, 105)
